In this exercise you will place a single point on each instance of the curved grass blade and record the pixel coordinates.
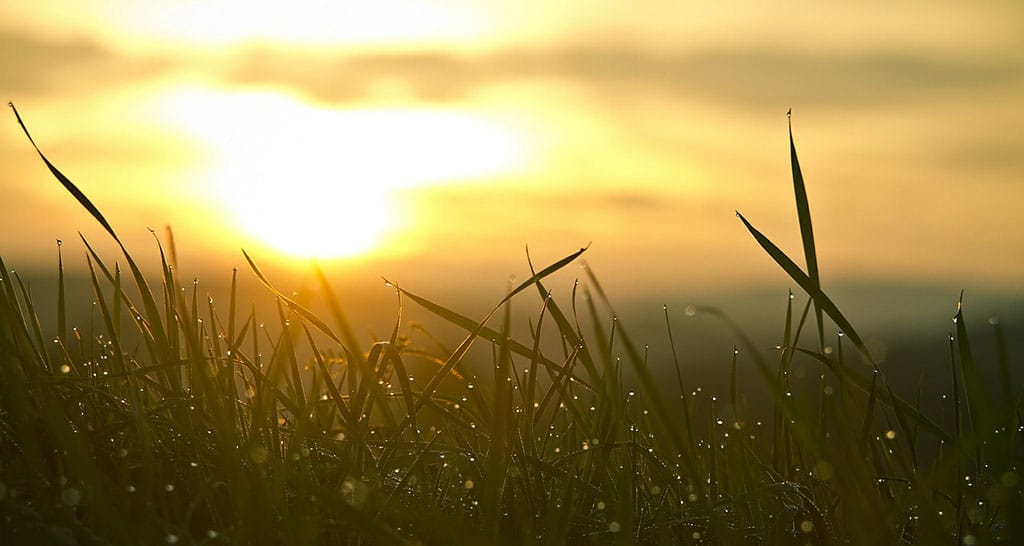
(140, 281)
(295, 306)
(567, 329)
(810, 286)
(347, 334)
(65, 181)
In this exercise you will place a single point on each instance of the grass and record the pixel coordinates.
(171, 420)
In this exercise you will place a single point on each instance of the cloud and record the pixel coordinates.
(745, 78)
(748, 78)
(30, 65)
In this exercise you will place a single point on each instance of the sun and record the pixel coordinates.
(312, 181)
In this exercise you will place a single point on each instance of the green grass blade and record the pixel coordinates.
(300, 310)
(477, 329)
(65, 181)
(140, 281)
(803, 212)
(347, 334)
(978, 399)
(62, 320)
(688, 424)
(808, 285)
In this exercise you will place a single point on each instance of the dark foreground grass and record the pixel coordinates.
(171, 420)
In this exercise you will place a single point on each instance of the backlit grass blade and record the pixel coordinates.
(338, 313)
(62, 321)
(662, 413)
(332, 389)
(140, 281)
(65, 181)
(478, 330)
(32, 318)
(682, 386)
(529, 394)
(497, 458)
(978, 398)
(803, 212)
(306, 314)
(569, 333)
(808, 285)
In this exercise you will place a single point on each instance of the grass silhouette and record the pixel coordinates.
(170, 420)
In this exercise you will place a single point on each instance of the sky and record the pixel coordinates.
(431, 142)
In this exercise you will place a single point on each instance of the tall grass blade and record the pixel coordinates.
(140, 281)
(62, 314)
(682, 387)
(803, 212)
(977, 397)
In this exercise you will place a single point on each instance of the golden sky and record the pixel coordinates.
(432, 139)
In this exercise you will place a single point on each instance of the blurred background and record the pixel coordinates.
(431, 142)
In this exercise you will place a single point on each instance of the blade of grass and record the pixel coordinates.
(682, 387)
(347, 334)
(809, 286)
(803, 212)
(306, 314)
(152, 310)
(62, 321)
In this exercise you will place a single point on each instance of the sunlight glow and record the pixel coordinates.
(312, 181)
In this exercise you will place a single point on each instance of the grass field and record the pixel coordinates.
(172, 419)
